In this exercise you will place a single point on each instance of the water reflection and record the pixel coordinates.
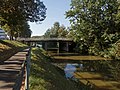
(70, 69)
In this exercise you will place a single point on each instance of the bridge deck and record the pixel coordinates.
(44, 39)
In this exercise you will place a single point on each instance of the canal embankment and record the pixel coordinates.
(45, 76)
(9, 48)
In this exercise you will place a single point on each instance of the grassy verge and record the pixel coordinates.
(8, 48)
(44, 76)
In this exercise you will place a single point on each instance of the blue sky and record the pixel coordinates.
(55, 12)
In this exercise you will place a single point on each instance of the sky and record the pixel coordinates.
(55, 13)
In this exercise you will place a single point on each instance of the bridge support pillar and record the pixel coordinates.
(58, 45)
(67, 46)
(46, 46)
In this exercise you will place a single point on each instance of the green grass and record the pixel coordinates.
(44, 76)
(8, 48)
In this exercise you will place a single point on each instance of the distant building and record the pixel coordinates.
(2, 34)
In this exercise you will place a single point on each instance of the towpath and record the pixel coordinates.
(12, 71)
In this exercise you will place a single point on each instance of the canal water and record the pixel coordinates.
(86, 70)
(71, 68)
(72, 63)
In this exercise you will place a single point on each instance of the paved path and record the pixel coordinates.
(10, 69)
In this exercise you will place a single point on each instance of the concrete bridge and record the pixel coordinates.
(44, 39)
(52, 44)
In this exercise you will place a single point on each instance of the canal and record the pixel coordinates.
(86, 70)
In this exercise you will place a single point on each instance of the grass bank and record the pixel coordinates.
(8, 48)
(44, 76)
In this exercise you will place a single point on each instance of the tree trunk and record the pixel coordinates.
(11, 35)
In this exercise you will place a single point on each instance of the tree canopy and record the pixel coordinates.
(56, 31)
(95, 24)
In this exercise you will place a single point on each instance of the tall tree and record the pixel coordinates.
(14, 12)
(95, 23)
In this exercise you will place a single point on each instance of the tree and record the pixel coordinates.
(56, 31)
(62, 32)
(14, 12)
(23, 30)
(95, 24)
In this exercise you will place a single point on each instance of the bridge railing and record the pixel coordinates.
(44, 39)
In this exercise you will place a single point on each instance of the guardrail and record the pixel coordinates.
(24, 73)
(28, 56)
